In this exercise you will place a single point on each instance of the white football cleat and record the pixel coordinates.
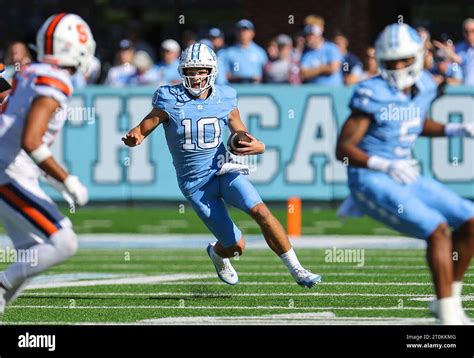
(433, 307)
(223, 267)
(305, 277)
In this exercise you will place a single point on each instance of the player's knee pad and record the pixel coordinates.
(65, 240)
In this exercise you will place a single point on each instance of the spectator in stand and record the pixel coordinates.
(216, 36)
(428, 46)
(321, 63)
(351, 66)
(189, 37)
(119, 75)
(442, 62)
(465, 51)
(80, 79)
(135, 34)
(17, 56)
(284, 69)
(168, 67)
(299, 44)
(444, 70)
(370, 64)
(272, 49)
(244, 61)
(146, 74)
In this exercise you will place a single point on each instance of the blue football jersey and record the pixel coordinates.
(397, 118)
(194, 131)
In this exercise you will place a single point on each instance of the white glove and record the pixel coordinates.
(402, 171)
(77, 190)
(459, 129)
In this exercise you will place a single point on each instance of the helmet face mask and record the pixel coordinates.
(198, 57)
(66, 41)
(201, 80)
(399, 43)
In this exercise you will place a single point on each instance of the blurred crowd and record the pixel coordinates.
(305, 57)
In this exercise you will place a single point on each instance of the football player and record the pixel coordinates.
(34, 114)
(193, 115)
(389, 112)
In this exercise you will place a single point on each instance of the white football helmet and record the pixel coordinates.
(198, 55)
(66, 40)
(399, 41)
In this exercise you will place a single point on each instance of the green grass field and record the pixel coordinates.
(181, 219)
(391, 283)
(146, 286)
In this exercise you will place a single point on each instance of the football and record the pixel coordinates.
(234, 138)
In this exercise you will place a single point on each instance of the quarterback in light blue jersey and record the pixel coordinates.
(389, 112)
(194, 114)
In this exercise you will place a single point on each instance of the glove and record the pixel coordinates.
(76, 190)
(402, 171)
(459, 129)
(59, 187)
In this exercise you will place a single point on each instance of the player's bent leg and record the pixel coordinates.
(272, 230)
(211, 209)
(35, 225)
(446, 307)
(239, 192)
(439, 259)
(460, 215)
(399, 207)
(60, 247)
(463, 250)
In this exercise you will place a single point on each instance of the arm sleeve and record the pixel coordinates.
(161, 100)
(363, 101)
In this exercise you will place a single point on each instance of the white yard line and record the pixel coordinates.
(132, 280)
(256, 283)
(464, 298)
(200, 241)
(319, 259)
(420, 297)
(304, 308)
(308, 318)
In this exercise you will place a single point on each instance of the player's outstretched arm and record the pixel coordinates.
(249, 148)
(347, 151)
(351, 134)
(432, 128)
(41, 111)
(136, 135)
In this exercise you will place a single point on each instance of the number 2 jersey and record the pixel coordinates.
(397, 118)
(34, 80)
(194, 131)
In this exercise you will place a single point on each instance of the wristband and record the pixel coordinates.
(40, 154)
(378, 163)
(454, 129)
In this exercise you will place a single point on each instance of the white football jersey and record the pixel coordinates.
(35, 80)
